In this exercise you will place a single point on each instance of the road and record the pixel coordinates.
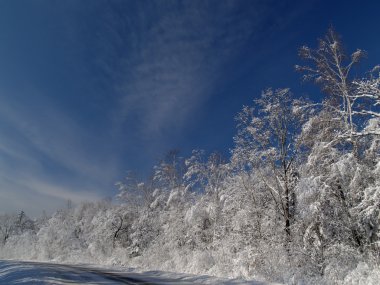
(24, 272)
(38, 273)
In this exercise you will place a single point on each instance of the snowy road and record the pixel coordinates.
(26, 272)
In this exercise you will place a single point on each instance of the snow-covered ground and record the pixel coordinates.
(26, 272)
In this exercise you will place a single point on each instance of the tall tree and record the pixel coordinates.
(353, 100)
(268, 141)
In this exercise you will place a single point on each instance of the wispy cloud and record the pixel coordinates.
(45, 152)
(142, 69)
(34, 194)
(46, 129)
(166, 59)
(182, 50)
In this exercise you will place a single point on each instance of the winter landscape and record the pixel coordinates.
(294, 198)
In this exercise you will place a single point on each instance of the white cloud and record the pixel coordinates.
(47, 158)
(60, 192)
(165, 58)
(34, 195)
(49, 131)
(177, 62)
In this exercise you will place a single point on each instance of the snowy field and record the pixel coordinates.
(26, 272)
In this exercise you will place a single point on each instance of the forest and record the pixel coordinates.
(297, 201)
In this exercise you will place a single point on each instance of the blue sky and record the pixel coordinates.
(91, 89)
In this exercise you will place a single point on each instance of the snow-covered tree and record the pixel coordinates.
(367, 94)
(134, 192)
(352, 100)
(207, 176)
(170, 186)
(330, 68)
(268, 142)
(346, 181)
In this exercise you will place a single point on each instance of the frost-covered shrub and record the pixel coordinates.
(363, 274)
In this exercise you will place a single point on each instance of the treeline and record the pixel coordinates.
(297, 201)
